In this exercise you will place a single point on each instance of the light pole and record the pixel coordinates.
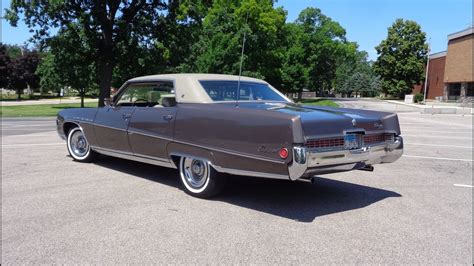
(427, 70)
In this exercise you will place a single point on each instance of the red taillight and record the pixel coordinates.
(283, 153)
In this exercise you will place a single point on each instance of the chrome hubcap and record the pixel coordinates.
(79, 145)
(196, 172)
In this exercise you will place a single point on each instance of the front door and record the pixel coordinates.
(152, 126)
(111, 124)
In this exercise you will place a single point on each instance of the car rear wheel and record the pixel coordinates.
(199, 179)
(78, 147)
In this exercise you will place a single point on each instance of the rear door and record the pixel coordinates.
(151, 127)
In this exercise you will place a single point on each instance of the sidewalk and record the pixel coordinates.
(46, 101)
(436, 107)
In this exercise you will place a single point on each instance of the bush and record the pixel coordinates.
(418, 98)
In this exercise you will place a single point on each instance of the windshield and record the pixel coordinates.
(220, 90)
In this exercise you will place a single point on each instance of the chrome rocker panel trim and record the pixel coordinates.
(133, 157)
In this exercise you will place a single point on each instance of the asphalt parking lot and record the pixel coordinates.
(417, 210)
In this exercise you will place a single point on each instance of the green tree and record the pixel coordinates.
(314, 48)
(74, 64)
(295, 71)
(356, 70)
(5, 62)
(401, 57)
(361, 84)
(219, 48)
(49, 74)
(108, 31)
(21, 72)
(13, 50)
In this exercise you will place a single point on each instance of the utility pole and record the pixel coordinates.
(427, 70)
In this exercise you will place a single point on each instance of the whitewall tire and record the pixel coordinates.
(198, 177)
(78, 147)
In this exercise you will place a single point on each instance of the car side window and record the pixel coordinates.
(159, 94)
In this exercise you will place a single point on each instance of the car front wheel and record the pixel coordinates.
(78, 147)
(199, 179)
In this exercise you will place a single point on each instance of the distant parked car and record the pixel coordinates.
(210, 125)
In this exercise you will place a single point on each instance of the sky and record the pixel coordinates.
(365, 21)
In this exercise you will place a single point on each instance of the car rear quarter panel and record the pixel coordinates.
(245, 139)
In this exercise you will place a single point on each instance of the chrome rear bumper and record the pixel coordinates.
(308, 162)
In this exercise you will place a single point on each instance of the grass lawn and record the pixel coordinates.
(39, 109)
(319, 102)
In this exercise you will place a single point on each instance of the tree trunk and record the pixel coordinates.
(18, 98)
(300, 95)
(106, 62)
(105, 78)
(82, 97)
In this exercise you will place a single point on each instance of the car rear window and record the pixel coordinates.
(220, 90)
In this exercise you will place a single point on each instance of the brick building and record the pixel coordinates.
(450, 73)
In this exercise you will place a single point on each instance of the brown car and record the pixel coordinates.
(209, 125)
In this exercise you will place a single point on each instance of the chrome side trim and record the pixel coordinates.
(133, 157)
(248, 173)
(115, 128)
(149, 135)
(229, 152)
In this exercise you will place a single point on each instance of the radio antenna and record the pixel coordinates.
(241, 62)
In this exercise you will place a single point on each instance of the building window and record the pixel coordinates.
(454, 91)
(470, 89)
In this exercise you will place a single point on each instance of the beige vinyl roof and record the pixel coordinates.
(187, 86)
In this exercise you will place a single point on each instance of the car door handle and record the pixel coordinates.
(168, 117)
(126, 116)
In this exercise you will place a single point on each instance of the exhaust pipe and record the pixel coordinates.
(369, 168)
(311, 180)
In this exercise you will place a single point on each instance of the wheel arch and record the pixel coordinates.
(67, 126)
(178, 150)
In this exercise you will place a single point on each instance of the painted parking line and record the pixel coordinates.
(32, 144)
(435, 131)
(437, 145)
(438, 137)
(26, 129)
(437, 158)
(28, 126)
(462, 185)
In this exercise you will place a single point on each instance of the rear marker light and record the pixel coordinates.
(283, 153)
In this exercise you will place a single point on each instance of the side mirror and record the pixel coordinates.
(108, 102)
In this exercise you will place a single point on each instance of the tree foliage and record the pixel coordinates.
(19, 73)
(107, 32)
(99, 44)
(355, 75)
(219, 47)
(402, 56)
(314, 50)
(4, 66)
(49, 74)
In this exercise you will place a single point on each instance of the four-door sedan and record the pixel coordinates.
(209, 125)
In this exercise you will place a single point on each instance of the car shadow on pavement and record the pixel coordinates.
(299, 201)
